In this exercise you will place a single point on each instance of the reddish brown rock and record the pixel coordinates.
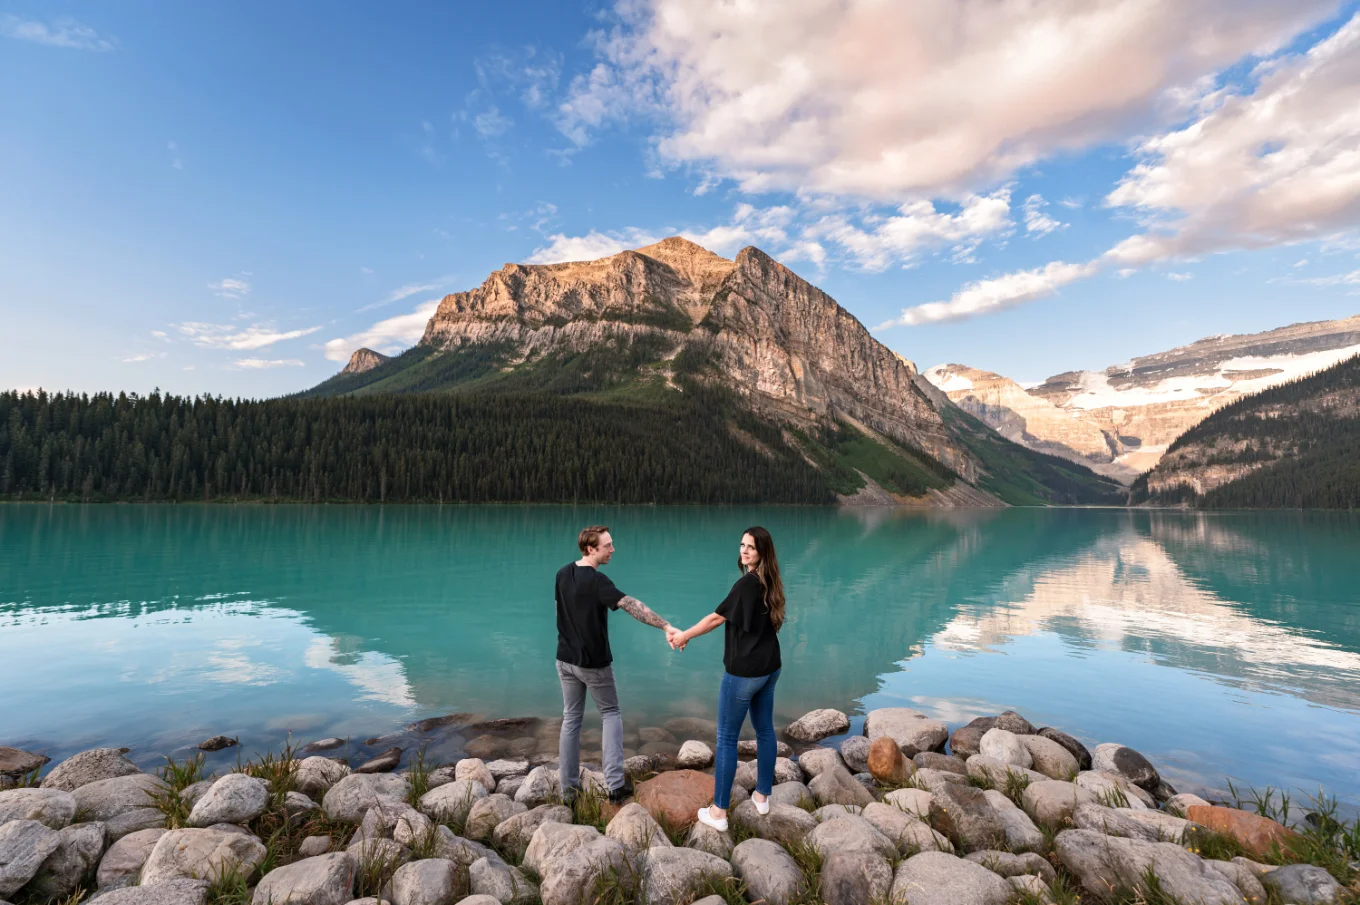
(887, 762)
(1257, 834)
(674, 798)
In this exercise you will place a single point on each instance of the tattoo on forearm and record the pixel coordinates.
(641, 612)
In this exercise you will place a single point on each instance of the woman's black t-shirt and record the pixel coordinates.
(752, 647)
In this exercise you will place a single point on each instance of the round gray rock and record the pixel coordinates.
(87, 767)
(513, 834)
(53, 808)
(1073, 747)
(671, 874)
(316, 774)
(24, 846)
(850, 834)
(1005, 747)
(854, 878)
(707, 839)
(1303, 884)
(784, 824)
(322, 880)
(912, 730)
(196, 853)
(473, 769)
(935, 878)
(694, 755)
(173, 892)
(634, 826)
(235, 798)
(350, 798)
(817, 725)
(769, 872)
(1052, 802)
(488, 813)
(78, 850)
(123, 861)
(105, 799)
(816, 761)
(431, 881)
(1110, 862)
(855, 753)
(791, 793)
(1049, 757)
(1126, 762)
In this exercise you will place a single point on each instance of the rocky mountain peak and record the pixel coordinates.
(364, 360)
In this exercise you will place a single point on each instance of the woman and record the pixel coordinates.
(753, 613)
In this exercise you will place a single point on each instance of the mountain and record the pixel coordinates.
(751, 342)
(1292, 446)
(364, 360)
(1120, 421)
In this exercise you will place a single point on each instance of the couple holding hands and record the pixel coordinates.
(751, 614)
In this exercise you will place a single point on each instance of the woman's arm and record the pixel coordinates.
(702, 627)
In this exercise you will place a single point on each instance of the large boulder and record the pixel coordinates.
(930, 780)
(998, 772)
(1126, 762)
(235, 798)
(190, 854)
(78, 850)
(1303, 884)
(855, 753)
(837, 786)
(452, 803)
(1021, 833)
(1105, 864)
(784, 824)
(912, 730)
(945, 763)
(500, 769)
(1179, 804)
(541, 786)
(105, 799)
(317, 774)
(1112, 822)
(503, 883)
(87, 767)
(512, 835)
(1053, 802)
(967, 817)
(791, 793)
(1114, 790)
(1241, 877)
(769, 872)
(473, 769)
(694, 755)
(706, 839)
(749, 747)
(1009, 864)
(1070, 744)
(850, 833)
(122, 863)
(1014, 723)
(908, 833)
(488, 813)
(816, 761)
(887, 763)
(16, 762)
(430, 881)
(351, 797)
(965, 740)
(916, 802)
(1168, 827)
(671, 875)
(674, 798)
(460, 851)
(52, 808)
(855, 878)
(24, 846)
(817, 725)
(323, 880)
(937, 878)
(636, 829)
(1258, 835)
(1005, 747)
(1050, 758)
(174, 892)
(570, 877)
(554, 840)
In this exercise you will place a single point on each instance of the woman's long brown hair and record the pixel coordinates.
(767, 570)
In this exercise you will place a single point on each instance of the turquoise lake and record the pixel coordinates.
(1219, 644)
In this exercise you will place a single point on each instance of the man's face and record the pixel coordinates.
(605, 549)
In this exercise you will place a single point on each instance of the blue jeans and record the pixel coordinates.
(737, 696)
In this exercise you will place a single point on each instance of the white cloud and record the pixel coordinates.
(986, 296)
(408, 290)
(1275, 166)
(230, 336)
(230, 288)
(386, 336)
(895, 101)
(367, 270)
(1180, 277)
(916, 225)
(66, 33)
(161, 334)
(257, 363)
(591, 246)
(1038, 223)
(1336, 279)
(141, 356)
(491, 122)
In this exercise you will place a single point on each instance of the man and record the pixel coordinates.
(585, 596)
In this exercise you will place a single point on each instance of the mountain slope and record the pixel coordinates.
(1291, 446)
(671, 320)
(1140, 407)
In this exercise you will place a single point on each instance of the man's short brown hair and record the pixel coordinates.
(590, 537)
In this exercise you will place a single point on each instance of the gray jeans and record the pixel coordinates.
(600, 682)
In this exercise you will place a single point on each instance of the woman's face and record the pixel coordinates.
(749, 556)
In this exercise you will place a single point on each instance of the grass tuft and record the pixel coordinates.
(229, 887)
(418, 778)
(1113, 798)
(373, 874)
(279, 771)
(170, 801)
(730, 889)
(809, 861)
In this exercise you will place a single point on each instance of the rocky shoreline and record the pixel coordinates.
(996, 812)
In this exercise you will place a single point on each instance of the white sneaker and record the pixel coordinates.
(719, 824)
(762, 807)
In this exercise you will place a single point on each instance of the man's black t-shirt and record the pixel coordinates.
(752, 647)
(584, 597)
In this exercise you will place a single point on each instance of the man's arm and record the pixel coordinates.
(642, 613)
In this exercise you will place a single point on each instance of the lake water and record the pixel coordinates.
(1220, 645)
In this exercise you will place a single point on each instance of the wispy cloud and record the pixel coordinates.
(1336, 279)
(386, 336)
(260, 363)
(1038, 223)
(141, 356)
(231, 336)
(987, 296)
(230, 288)
(1180, 277)
(591, 246)
(67, 33)
(410, 289)
(176, 161)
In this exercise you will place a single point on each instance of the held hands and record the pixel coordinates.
(676, 638)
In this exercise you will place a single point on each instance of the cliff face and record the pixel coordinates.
(1141, 406)
(364, 360)
(779, 342)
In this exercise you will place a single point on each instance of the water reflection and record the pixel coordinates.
(156, 626)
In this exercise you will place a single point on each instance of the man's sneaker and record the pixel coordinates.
(718, 823)
(622, 793)
(569, 797)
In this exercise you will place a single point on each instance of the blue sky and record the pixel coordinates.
(229, 199)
